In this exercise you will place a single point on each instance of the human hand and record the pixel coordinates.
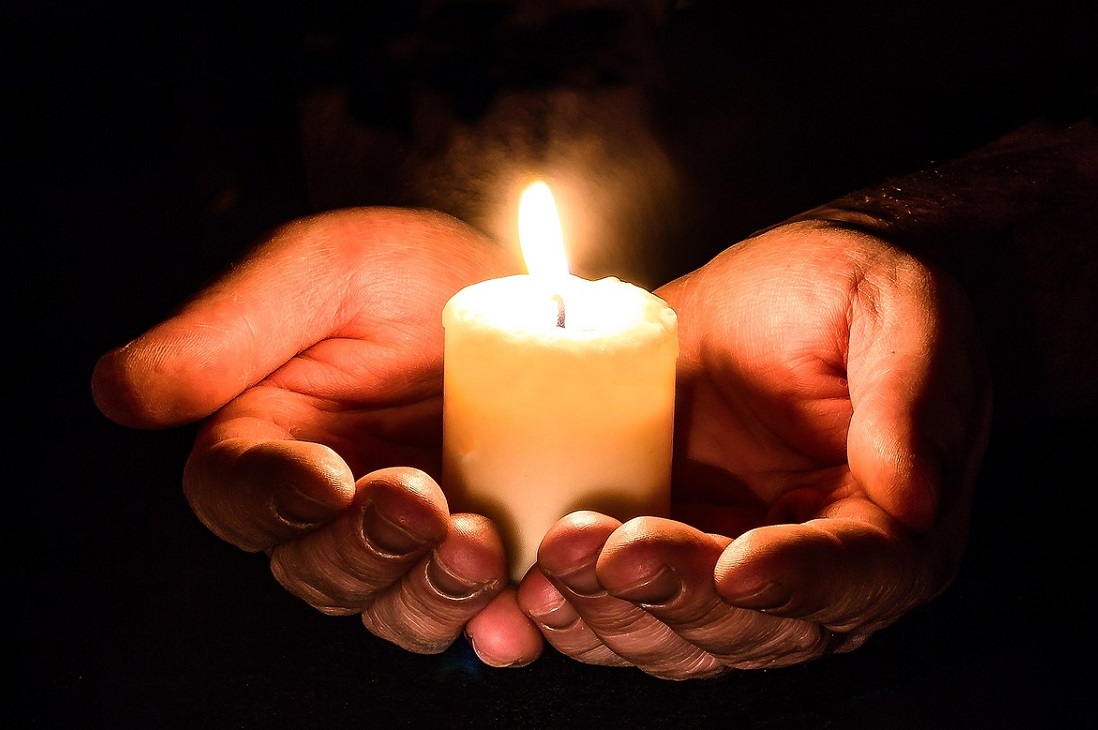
(833, 409)
(316, 364)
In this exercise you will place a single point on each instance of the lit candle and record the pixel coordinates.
(558, 394)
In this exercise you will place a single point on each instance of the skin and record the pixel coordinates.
(833, 410)
(832, 413)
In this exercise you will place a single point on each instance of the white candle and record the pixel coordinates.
(541, 419)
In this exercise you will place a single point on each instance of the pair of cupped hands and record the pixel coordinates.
(831, 415)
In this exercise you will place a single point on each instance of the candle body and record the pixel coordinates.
(541, 420)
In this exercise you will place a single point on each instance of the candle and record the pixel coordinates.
(558, 393)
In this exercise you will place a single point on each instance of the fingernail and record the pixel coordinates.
(493, 662)
(767, 596)
(387, 536)
(581, 580)
(558, 615)
(448, 584)
(301, 508)
(661, 587)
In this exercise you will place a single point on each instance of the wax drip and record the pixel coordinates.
(560, 309)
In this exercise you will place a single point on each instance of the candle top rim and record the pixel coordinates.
(522, 307)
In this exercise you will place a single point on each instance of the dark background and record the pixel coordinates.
(151, 145)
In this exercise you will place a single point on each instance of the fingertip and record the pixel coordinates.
(543, 602)
(403, 505)
(114, 391)
(900, 471)
(473, 551)
(257, 494)
(575, 541)
(744, 576)
(754, 596)
(312, 483)
(913, 498)
(836, 570)
(652, 559)
(404, 484)
(502, 636)
(169, 376)
(653, 534)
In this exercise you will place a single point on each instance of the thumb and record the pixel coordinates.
(228, 336)
(910, 383)
(301, 285)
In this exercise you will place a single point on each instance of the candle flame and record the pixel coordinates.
(540, 234)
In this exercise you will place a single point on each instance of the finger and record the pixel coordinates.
(917, 405)
(304, 283)
(568, 555)
(431, 604)
(561, 626)
(256, 494)
(502, 635)
(666, 568)
(397, 517)
(366, 435)
(853, 571)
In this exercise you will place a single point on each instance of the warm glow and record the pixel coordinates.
(540, 234)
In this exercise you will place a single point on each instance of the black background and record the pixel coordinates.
(152, 145)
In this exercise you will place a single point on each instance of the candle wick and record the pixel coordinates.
(560, 309)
